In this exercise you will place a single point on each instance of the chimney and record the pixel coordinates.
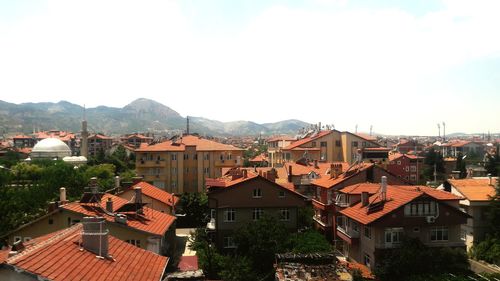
(109, 205)
(62, 195)
(364, 198)
(95, 236)
(260, 173)
(490, 179)
(136, 180)
(272, 175)
(316, 164)
(332, 167)
(138, 199)
(245, 174)
(383, 188)
(117, 183)
(290, 173)
(93, 181)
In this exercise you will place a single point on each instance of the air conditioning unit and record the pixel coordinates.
(430, 219)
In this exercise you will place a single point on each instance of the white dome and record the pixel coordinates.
(50, 148)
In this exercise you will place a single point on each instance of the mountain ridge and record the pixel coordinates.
(140, 115)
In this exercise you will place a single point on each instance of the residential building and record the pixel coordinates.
(260, 160)
(275, 147)
(476, 195)
(97, 143)
(156, 198)
(70, 254)
(136, 140)
(22, 141)
(325, 201)
(379, 222)
(404, 146)
(331, 146)
(242, 197)
(407, 166)
(129, 221)
(472, 149)
(181, 165)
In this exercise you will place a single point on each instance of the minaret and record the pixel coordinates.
(187, 125)
(84, 147)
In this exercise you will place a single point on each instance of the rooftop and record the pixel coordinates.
(307, 139)
(327, 182)
(59, 256)
(156, 193)
(475, 189)
(201, 144)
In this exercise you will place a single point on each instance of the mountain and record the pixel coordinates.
(138, 116)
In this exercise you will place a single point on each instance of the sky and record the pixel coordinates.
(399, 66)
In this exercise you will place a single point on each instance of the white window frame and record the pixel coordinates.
(257, 214)
(18, 238)
(395, 234)
(281, 194)
(257, 193)
(439, 231)
(229, 215)
(367, 230)
(229, 242)
(398, 162)
(284, 214)
(135, 242)
(413, 168)
(173, 157)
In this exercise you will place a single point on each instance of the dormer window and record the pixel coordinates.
(257, 193)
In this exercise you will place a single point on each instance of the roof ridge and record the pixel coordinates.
(42, 244)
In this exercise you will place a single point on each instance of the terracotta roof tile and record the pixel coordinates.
(395, 156)
(397, 196)
(327, 182)
(474, 189)
(59, 257)
(371, 188)
(151, 221)
(188, 263)
(322, 169)
(307, 139)
(22, 137)
(157, 193)
(259, 158)
(180, 144)
(281, 138)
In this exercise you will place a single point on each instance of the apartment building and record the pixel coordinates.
(129, 221)
(327, 200)
(181, 165)
(476, 194)
(275, 147)
(243, 196)
(22, 141)
(98, 143)
(379, 222)
(156, 198)
(81, 252)
(407, 166)
(136, 140)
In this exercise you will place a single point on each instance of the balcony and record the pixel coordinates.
(306, 181)
(322, 221)
(342, 204)
(151, 163)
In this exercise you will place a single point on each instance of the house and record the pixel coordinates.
(135, 140)
(406, 145)
(242, 197)
(476, 194)
(81, 252)
(379, 222)
(98, 142)
(407, 166)
(274, 149)
(21, 141)
(325, 200)
(472, 149)
(182, 164)
(156, 198)
(260, 160)
(129, 221)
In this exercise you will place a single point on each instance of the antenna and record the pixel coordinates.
(444, 130)
(439, 130)
(371, 129)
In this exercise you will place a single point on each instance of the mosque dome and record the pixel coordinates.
(50, 148)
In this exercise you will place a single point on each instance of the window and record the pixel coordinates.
(413, 168)
(355, 226)
(323, 156)
(229, 157)
(257, 193)
(229, 215)
(206, 170)
(284, 215)
(463, 235)
(186, 170)
(134, 242)
(368, 232)
(221, 157)
(393, 235)
(281, 194)
(174, 171)
(313, 144)
(322, 144)
(399, 162)
(212, 213)
(174, 184)
(173, 156)
(337, 143)
(257, 213)
(420, 209)
(206, 156)
(186, 156)
(229, 242)
(416, 229)
(355, 144)
(413, 177)
(439, 233)
(407, 168)
(367, 259)
(17, 238)
(51, 221)
(195, 157)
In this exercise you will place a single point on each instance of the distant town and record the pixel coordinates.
(316, 204)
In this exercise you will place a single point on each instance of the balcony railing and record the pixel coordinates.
(322, 220)
(348, 231)
(342, 203)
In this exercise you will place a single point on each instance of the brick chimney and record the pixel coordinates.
(109, 205)
(364, 198)
(272, 175)
(62, 196)
(290, 173)
(138, 198)
(95, 236)
(316, 164)
(245, 174)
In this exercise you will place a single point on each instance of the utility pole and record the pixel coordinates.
(435, 173)
(444, 131)
(439, 130)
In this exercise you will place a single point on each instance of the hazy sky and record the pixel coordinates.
(401, 66)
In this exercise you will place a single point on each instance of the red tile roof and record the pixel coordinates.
(366, 137)
(376, 149)
(260, 158)
(22, 137)
(60, 257)
(322, 169)
(395, 156)
(397, 196)
(281, 138)
(307, 139)
(365, 271)
(327, 182)
(371, 188)
(157, 193)
(188, 263)
(151, 221)
(180, 144)
(474, 189)
(99, 136)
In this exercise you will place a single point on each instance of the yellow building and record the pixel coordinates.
(327, 146)
(182, 165)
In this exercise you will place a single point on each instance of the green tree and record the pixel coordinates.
(490, 164)
(310, 241)
(460, 165)
(195, 206)
(208, 257)
(105, 175)
(236, 268)
(433, 158)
